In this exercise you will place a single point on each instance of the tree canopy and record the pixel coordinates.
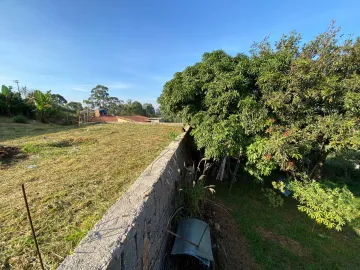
(75, 106)
(137, 108)
(114, 106)
(58, 99)
(149, 109)
(284, 107)
(99, 97)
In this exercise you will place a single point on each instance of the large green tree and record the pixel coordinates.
(137, 108)
(74, 106)
(283, 107)
(115, 106)
(99, 97)
(58, 99)
(149, 109)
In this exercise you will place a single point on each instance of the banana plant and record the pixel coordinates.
(42, 102)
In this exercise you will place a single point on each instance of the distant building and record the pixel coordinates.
(100, 112)
(156, 119)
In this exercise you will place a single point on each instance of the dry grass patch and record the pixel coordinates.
(72, 176)
(285, 242)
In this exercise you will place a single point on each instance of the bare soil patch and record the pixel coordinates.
(230, 247)
(10, 155)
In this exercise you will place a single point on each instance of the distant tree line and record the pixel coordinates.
(43, 106)
(100, 98)
(54, 108)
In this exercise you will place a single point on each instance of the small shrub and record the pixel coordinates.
(76, 235)
(31, 148)
(61, 144)
(71, 142)
(275, 200)
(20, 119)
(194, 194)
(331, 207)
(173, 135)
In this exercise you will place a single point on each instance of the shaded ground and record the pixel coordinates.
(285, 242)
(10, 155)
(284, 238)
(72, 176)
(230, 247)
(9, 130)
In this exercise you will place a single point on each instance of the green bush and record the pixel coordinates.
(19, 119)
(60, 116)
(173, 135)
(194, 192)
(31, 148)
(332, 207)
(275, 200)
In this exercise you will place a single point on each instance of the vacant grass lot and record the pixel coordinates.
(72, 176)
(283, 238)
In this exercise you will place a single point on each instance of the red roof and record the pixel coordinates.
(135, 118)
(104, 119)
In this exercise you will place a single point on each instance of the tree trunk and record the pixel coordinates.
(42, 116)
(318, 168)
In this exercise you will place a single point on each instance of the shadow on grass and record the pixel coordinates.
(10, 155)
(283, 237)
(11, 131)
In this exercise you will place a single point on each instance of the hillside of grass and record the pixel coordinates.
(283, 237)
(72, 175)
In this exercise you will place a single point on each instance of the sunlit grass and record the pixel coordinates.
(72, 176)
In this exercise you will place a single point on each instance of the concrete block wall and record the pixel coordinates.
(132, 234)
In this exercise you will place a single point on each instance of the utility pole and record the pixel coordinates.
(24, 91)
(17, 82)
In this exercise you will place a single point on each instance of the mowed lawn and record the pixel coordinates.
(284, 238)
(72, 176)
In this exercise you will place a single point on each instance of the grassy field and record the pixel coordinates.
(72, 176)
(284, 238)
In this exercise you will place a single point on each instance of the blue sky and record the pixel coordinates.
(134, 47)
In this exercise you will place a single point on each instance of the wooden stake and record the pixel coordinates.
(32, 227)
